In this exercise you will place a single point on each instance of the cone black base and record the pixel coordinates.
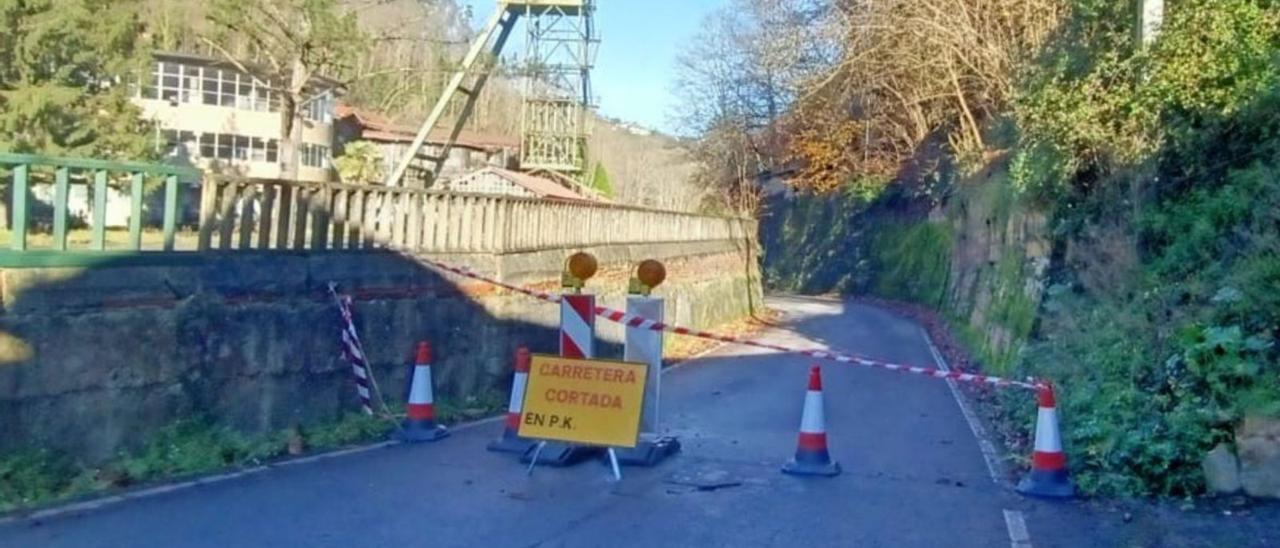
(797, 468)
(420, 433)
(561, 454)
(648, 453)
(1050, 485)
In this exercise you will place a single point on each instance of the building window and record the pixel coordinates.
(315, 155)
(220, 146)
(179, 143)
(170, 81)
(320, 108)
(222, 150)
(173, 82)
(258, 150)
(207, 145)
(227, 89)
(179, 83)
(262, 99)
(240, 147)
(211, 79)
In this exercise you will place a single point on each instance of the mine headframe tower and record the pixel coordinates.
(560, 50)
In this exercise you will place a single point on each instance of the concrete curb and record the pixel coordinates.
(109, 500)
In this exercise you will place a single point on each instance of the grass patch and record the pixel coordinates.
(113, 238)
(200, 446)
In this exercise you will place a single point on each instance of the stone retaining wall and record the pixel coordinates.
(94, 360)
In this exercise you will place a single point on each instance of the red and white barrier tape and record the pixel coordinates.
(630, 320)
(354, 351)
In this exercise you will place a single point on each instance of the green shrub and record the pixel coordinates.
(31, 477)
(350, 429)
(1184, 134)
(1097, 101)
(1154, 381)
(600, 180)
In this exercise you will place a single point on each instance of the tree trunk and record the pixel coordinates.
(290, 124)
(290, 139)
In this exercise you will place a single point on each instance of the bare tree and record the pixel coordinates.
(908, 69)
(741, 76)
(289, 43)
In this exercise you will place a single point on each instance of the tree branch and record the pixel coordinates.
(227, 56)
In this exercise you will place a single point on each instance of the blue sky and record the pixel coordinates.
(641, 39)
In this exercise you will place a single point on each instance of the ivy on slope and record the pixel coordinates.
(1174, 148)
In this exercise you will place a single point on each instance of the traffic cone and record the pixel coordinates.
(420, 425)
(510, 441)
(812, 458)
(1048, 477)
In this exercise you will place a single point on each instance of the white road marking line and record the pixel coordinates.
(989, 454)
(1017, 525)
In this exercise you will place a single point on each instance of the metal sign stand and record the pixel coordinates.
(537, 451)
(613, 460)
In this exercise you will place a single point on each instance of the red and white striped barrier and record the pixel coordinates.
(642, 323)
(619, 316)
(353, 351)
(578, 326)
(463, 271)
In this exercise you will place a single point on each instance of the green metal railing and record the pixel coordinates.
(27, 170)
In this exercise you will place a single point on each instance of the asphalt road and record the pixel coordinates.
(914, 474)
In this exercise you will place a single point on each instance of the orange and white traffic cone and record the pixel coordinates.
(420, 425)
(1048, 477)
(510, 441)
(812, 458)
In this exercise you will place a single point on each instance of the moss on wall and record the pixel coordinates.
(979, 258)
(912, 262)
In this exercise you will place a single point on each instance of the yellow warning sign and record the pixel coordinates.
(593, 402)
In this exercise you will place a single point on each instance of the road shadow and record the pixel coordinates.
(96, 359)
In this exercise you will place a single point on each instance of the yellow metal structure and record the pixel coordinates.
(560, 50)
(562, 4)
(559, 55)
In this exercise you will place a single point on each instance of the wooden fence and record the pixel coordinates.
(273, 214)
(71, 211)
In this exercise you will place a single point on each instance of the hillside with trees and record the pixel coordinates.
(392, 57)
(1085, 198)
